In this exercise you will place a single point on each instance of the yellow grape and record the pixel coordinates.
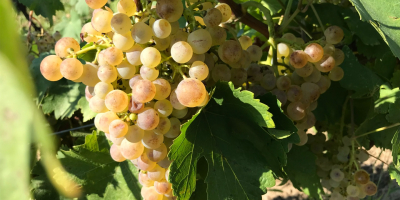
(117, 100)
(64, 44)
(50, 68)
(71, 69)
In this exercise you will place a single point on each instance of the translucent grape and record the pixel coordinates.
(198, 70)
(162, 44)
(144, 163)
(268, 82)
(101, 89)
(324, 83)
(163, 88)
(50, 68)
(361, 177)
(126, 70)
(105, 120)
(115, 140)
(162, 187)
(298, 59)
(336, 175)
(101, 21)
(163, 107)
(150, 57)
(179, 113)
(283, 50)
(333, 34)
(107, 73)
(89, 75)
(118, 128)
(97, 105)
(133, 55)
(255, 53)
(244, 62)
(117, 100)
(326, 64)
(174, 27)
(314, 51)
(161, 28)
(181, 52)
(283, 83)
(148, 119)
(294, 93)
(338, 55)
(149, 73)
(179, 36)
(113, 56)
(200, 41)
(88, 29)
(128, 7)
(100, 58)
(225, 11)
(289, 36)
(144, 179)
(175, 102)
(296, 79)
(143, 91)
(362, 155)
(170, 10)
(123, 41)
(218, 35)
(95, 4)
(64, 44)
(190, 92)
(221, 72)
(156, 155)
(121, 23)
(280, 95)
(89, 92)
(116, 153)
(151, 194)
(329, 49)
(152, 140)
(163, 126)
(296, 110)
(314, 77)
(245, 41)
(71, 69)
(336, 74)
(213, 17)
(230, 51)
(311, 93)
(205, 100)
(134, 134)
(141, 33)
(305, 71)
(238, 76)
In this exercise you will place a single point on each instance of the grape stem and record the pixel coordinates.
(287, 11)
(267, 14)
(287, 22)
(97, 56)
(318, 18)
(95, 46)
(377, 130)
(343, 116)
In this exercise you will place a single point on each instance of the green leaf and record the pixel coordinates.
(384, 17)
(330, 104)
(358, 77)
(396, 79)
(302, 171)
(70, 26)
(396, 146)
(384, 65)
(284, 126)
(387, 97)
(87, 113)
(82, 8)
(375, 51)
(46, 8)
(63, 99)
(235, 166)
(273, 6)
(92, 167)
(381, 138)
(394, 171)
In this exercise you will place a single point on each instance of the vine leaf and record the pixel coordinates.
(91, 166)
(71, 26)
(384, 65)
(389, 102)
(236, 169)
(357, 77)
(46, 8)
(396, 146)
(396, 79)
(302, 171)
(384, 18)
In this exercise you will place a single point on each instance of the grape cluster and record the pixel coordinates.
(338, 167)
(148, 74)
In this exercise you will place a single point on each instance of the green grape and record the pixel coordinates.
(161, 28)
(50, 68)
(225, 11)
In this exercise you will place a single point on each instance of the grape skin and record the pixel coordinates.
(158, 154)
(338, 55)
(175, 102)
(245, 41)
(71, 69)
(105, 120)
(163, 89)
(255, 53)
(296, 110)
(314, 51)
(225, 10)
(179, 113)
(157, 173)
(283, 83)
(149, 73)
(89, 75)
(95, 4)
(230, 51)
(141, 33)
(150, 57)
(218, 35)
(163, 107)
(370, 188)
(117, 100)
(115, 153)
(190, 92)
(181, 52)
(65, 43)
(221, 72)
(334, 34)
(126, 70)
(294, 93)
(162, 187)
(298, 59)
(148, 119)
(144, 163)
(134, 134)
(144, 179)
(50, 68)
(87, 28)
(113, 56)
(161, 28)
(101, 21)
(107, 73)
(128, 7)
(118, 128)
(163, 126)
(143, 91)
(152, 140)
(326, 63)
(170, 10)
(213, 17)
(336, 74)
(133, 55)
(97, 105)
(131, 150)
(121, 23)
(123, 41)
(200, 41)
(361, 177)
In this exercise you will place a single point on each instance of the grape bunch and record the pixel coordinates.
(338, 164)
(149, 75)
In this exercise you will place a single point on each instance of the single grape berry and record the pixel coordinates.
(370, 188)
(361, 177)
(298, 59)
